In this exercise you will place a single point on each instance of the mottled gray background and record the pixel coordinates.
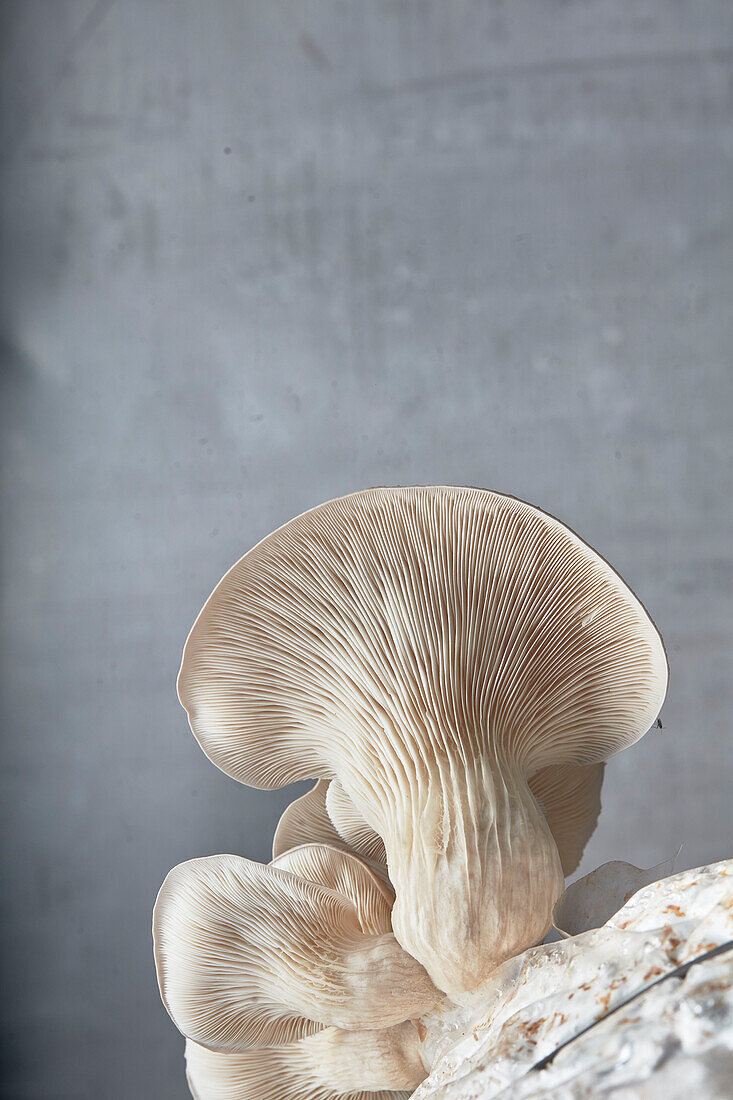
(258, 254)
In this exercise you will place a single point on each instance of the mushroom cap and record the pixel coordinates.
(305, 821)
(333, 1065)
(346, 875)
(351, 826)
(570, 796)
(249, 955)
(398, 616)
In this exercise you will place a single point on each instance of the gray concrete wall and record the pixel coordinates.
(258, 254)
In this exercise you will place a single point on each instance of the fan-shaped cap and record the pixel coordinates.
(339, 604)
(346, 875)
(249, 956)
(351, 826)
(333, 1065)
(433, 648)
(306, 821)
(570, 796)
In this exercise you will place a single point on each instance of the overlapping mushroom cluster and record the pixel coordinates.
(286, 978)
(453, 666)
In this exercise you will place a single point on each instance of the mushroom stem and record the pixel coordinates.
(378, 984)
(475, 869)
(360, 1060)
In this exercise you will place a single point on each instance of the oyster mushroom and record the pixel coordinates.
(249, 955)
(433, 649)
(306, 821)
(332, 1065)
(351, 826)
(347, 876)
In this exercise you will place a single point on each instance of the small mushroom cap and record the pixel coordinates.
(351, 826)
(570, 796)
(249, 955)
(306, 821)
(333, 1065)
(347, 876)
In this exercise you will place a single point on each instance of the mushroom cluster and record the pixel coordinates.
(453, 666)
(286, 979)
